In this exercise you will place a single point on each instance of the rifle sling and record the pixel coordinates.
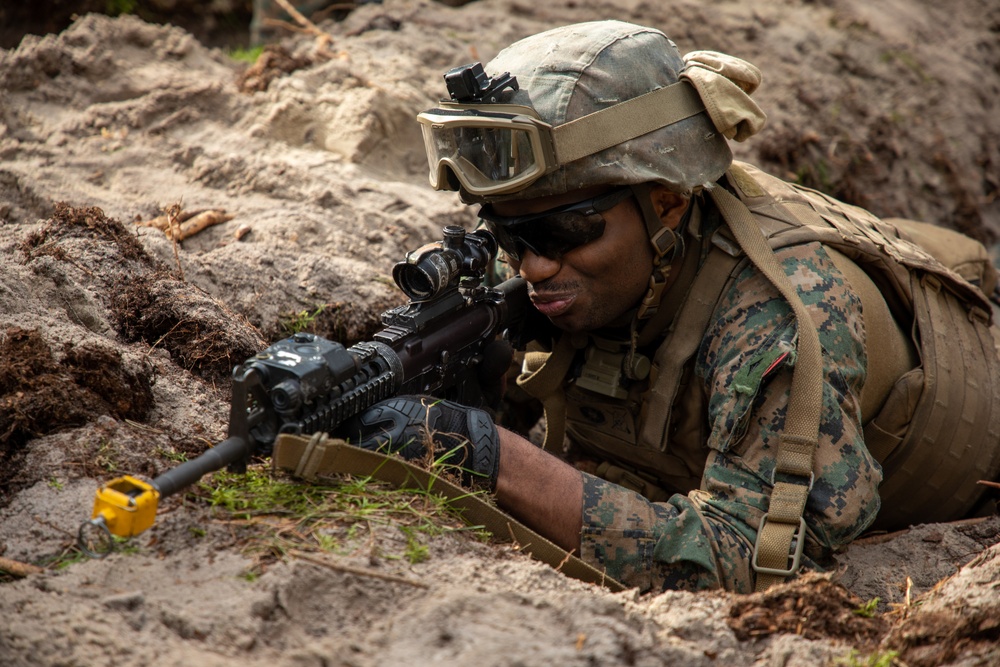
(322, 456)
(784, 521)
(542, 377)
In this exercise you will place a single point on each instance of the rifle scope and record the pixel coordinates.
(436, 267)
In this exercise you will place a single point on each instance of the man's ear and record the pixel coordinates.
(669, 205)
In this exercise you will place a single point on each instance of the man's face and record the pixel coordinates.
(595, 284)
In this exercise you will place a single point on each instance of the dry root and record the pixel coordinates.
(184, 224)
(19, 569)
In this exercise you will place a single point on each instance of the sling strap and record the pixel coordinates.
(682, 343)
(542, 378)
(321, 456)
(782, 531)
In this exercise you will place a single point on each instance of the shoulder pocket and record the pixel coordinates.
(738, 387)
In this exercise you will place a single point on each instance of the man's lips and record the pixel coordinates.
(552, 305)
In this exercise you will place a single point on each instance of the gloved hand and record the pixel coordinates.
(416, 427)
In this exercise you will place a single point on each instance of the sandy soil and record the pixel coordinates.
(117, 342)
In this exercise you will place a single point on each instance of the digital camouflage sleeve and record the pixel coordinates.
(705, 539)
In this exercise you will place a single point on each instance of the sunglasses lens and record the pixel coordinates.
(552, 237)
(555, 232)
(507, 241)
(564, 232)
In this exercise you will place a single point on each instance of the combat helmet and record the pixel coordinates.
(592, 103)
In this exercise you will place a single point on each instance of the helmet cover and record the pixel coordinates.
(574, 70)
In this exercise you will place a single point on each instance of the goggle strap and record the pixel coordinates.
(625, 121)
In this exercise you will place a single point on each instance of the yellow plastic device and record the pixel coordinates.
(126, 505)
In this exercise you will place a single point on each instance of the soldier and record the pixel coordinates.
(737, 363)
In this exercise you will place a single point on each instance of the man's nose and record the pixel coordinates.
(537, 268)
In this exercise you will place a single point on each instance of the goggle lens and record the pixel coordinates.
(484, 156)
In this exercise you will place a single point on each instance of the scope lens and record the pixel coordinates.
(415, 281)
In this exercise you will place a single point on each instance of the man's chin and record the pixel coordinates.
(570, 324)
(574, 321)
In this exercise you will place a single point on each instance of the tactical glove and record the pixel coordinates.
(421, 427)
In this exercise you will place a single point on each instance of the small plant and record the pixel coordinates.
(868, 609)
(325, 541)
(332, 517)
(257, 492)
(105, 456)
(877, 659)
(66, 558)
(906, 59)
(416, 552)
(54, 483)
(119, 7)
(249, 56)
(124, 545)
(301, 321)
(172, 455)
(197, 531)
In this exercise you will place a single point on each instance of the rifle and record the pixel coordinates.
(306, 384)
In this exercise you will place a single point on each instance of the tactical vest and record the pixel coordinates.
(931, 404)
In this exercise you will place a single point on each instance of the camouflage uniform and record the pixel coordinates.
(710, 469)
(702, 536)
(705, 539)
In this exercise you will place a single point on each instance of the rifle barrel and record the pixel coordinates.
(230, 450)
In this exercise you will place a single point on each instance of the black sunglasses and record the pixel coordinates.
(554, 232)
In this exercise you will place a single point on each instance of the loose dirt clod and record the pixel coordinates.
(812, 606)
(41, 394)
(959, 618)
(274, 61)
(198, 331)
(86, 222)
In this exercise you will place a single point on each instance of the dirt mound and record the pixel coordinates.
(960, 619)
(117, 341)
(813, 607)
(40, 395)
(200, 333)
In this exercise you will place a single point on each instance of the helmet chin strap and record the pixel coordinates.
(667, 245)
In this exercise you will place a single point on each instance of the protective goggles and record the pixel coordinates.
(554, 232)
(494, 149)
(489, 152)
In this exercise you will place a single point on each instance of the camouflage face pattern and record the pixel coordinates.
(575, 70)
(705, 539)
